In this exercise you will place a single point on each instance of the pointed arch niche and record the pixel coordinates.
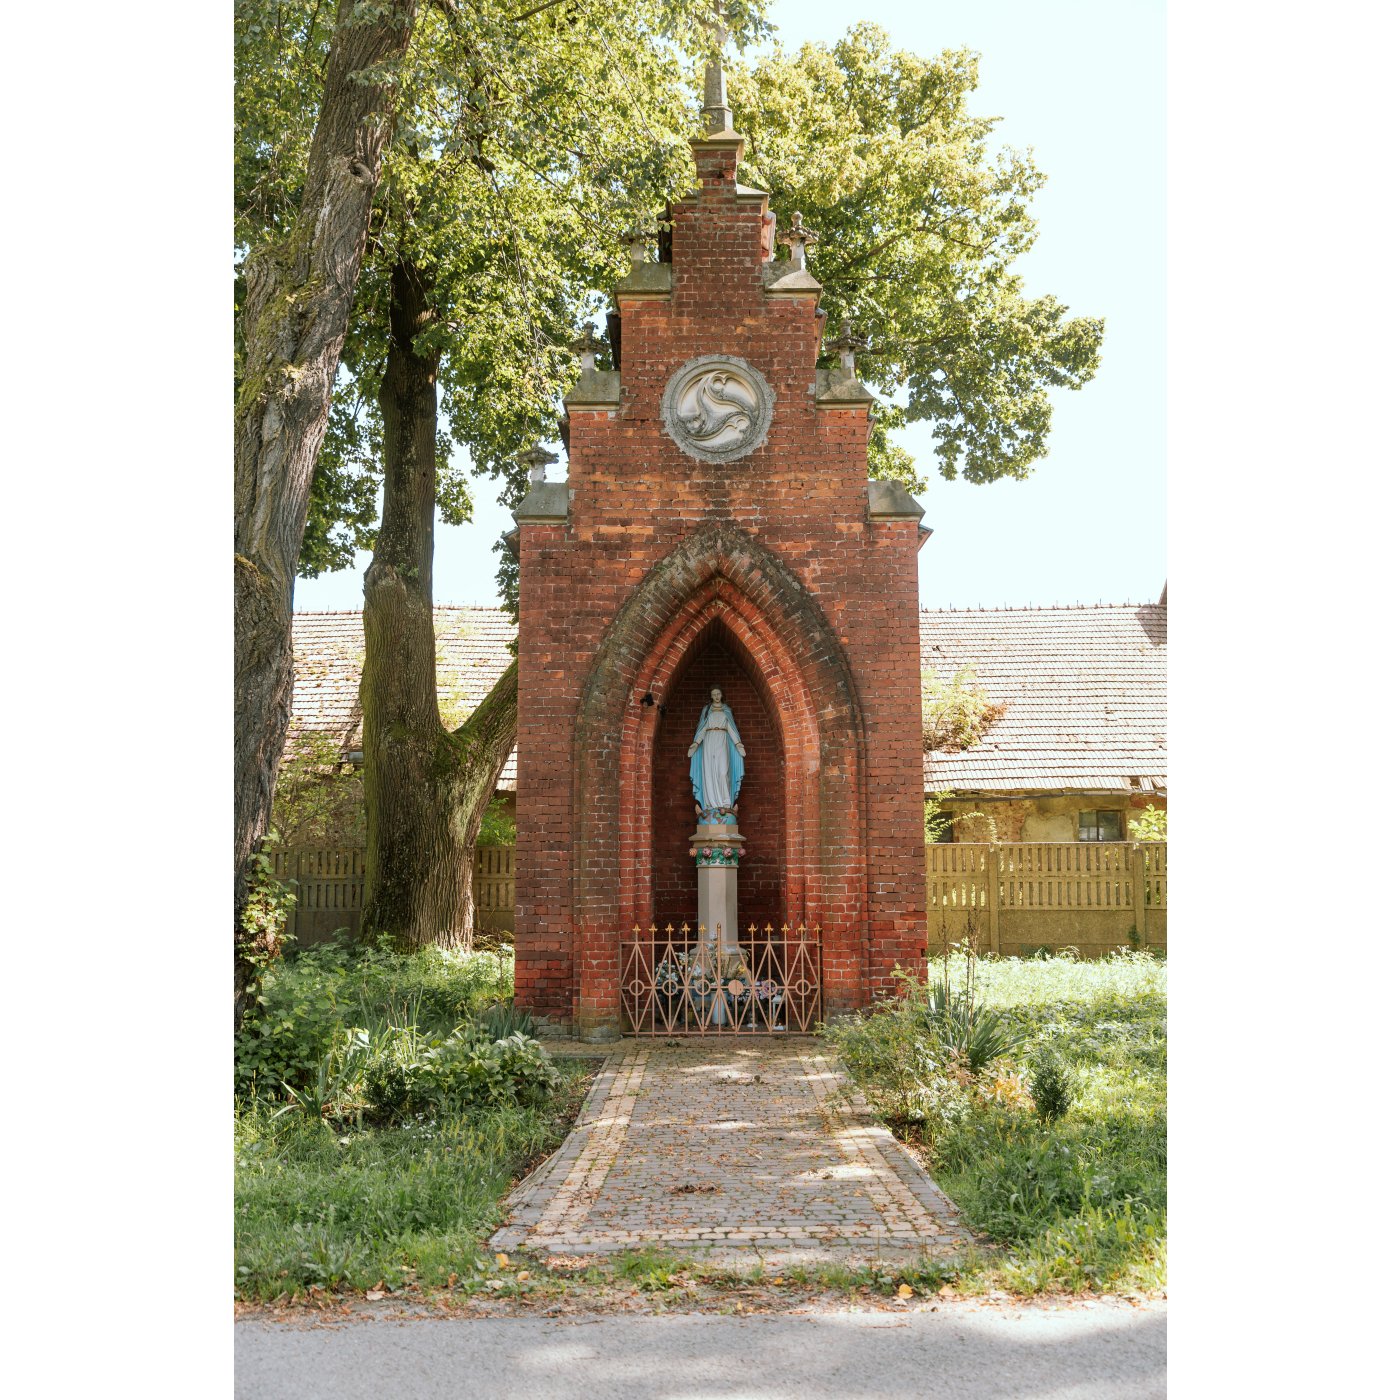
(719, 637)
(719, 591)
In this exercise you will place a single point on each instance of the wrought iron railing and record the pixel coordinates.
(690, 982)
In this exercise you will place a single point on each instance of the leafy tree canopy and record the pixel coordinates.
(919, 227)
(523, 148)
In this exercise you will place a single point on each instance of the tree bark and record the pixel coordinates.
(299, 293)
(425, 788)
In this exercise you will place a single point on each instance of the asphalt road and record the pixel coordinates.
(990, 1354)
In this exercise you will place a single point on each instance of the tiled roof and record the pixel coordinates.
(1085, 689)
(330, 654)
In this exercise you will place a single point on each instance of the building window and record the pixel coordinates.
(1101, 826)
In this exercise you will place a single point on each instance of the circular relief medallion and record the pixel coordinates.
(717, 408)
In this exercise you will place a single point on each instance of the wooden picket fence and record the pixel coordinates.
(1092, 895)
(331, 884)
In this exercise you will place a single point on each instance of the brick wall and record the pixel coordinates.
(662, 556)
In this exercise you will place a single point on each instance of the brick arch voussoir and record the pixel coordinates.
(774, 618)
(716, 552)
(719, 610)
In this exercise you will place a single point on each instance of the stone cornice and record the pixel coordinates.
(835, 390)
(781, 279)
(720, 141)
(645, 282)
(596, 388)
(547, 504)
(890, 501)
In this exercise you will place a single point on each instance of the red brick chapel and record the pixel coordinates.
(716, 528)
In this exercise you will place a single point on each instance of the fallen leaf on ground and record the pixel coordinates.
(373, 1296)
(946, 1291)
(522, 1276)
(502, 1260)
(905, 1291)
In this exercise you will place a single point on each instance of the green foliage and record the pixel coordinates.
(920, 226)
(1078, 1201)
(521, 151)
(1150, 826)
(936, 821)
(1031, 983)
(905, 1071)
(343, 515)
(382, 1206)
(956, 712)
(309, 1004)
(318, 801)
(503, 1019)
(497, 825)
(265, 915)
(972, 1034)
(887, 460)
(1052, 1087)
(349, 1185)
(466, 1069)
(650, 1269)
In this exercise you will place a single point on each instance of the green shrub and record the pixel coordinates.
(310, 1002)
(465, 1070)
(906, 1073)
(1052, 1087)
(497, 825)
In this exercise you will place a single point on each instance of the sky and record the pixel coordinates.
(1084, 85)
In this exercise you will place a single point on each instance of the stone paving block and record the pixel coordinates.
(736, 1143)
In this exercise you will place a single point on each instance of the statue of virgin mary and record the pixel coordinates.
(716, 756)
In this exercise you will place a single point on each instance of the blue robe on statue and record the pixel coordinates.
(717, 766)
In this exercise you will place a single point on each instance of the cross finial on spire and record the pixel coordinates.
(848, 342)
(587, 347)
(636, 240)
(719, 118)
(798, 238)
(537, 459)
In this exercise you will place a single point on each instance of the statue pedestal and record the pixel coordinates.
(717, 849)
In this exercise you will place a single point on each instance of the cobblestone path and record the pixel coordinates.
(732, 1145)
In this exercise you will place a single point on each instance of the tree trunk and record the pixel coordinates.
(425, 788)
(299, 294)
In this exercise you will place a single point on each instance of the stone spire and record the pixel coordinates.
(587, 347)
(848, 343)
(537, 459)
(719, 118)
(635, 240)
(798, 239)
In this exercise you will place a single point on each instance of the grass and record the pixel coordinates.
(1031, 982)
(363, 1207)
(1074, 1203)
(344, 1203)
(332, 1197)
